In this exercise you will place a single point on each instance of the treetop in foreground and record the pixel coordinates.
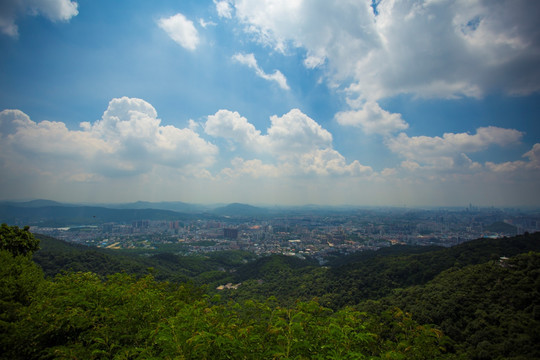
(17, 241)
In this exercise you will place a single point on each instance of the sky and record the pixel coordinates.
(274, 102)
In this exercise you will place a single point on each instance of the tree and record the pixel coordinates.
(18, 241)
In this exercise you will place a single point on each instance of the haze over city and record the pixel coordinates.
(384, 103)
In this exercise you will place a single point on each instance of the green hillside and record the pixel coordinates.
(491, 310)
(56, 256)
(374, 274)
(463, 302)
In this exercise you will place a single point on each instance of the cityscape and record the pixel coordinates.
(317, 234)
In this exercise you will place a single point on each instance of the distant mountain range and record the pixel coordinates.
(52, 213)
(165, 205)
(34, 203)
(81, 215)
(241, 210)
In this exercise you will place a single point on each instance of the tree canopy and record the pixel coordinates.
(457, 303)
(17, 241)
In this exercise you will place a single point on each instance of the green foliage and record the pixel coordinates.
(17, 241)
(501, 227)
(264, 330)
(56, 256)
(370, 275)
(491, 310)
(81, 316)
(19, 279)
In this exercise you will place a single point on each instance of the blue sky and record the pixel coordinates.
(405, 102)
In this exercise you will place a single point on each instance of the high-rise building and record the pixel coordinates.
(230, 233)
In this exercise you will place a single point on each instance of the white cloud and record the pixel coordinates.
(410, 165)
(254, 168)
(330, 162)
(296, 144)
(449, 151)
(450, 143)
(316, 163)
(372, 119)
(230, 125)
(204, 23)
(224, 9)
(533, 162)
(313, 61)
(10, 120)
(181, 30)
(388, 172)
(127, 140)
(294, 133)
(250, 61)
(193, 125)
(273, 21)
(54, 10)
(290, 134)
(426, 48)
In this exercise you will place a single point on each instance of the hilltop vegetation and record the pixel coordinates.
(489, 308)
(79, 315)
(56, 256)
(397, 303)
(372, 274)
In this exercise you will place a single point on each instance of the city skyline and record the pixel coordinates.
(369, 103)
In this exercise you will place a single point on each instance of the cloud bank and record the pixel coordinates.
(295, 143)
(373, 50)
(128, 140)
(129, 150)
(425, 48)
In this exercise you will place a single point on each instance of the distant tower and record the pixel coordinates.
(230, 233)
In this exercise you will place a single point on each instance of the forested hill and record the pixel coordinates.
(465, 303)
(372, 275)
(57, 256)
(346, 281)
(379, 275)
(64, 215)
(78, 315)
(491, 310)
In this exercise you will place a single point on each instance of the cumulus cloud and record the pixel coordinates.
(128, 140)
(46, 139)
(330, 162)
(250, 61)
(292, 133)
(297, 145)
(54, 10)
(372, 119)
(317, 163)
(533, 162)
(449, 151)
(425, 48)
(181, 30)
(295, 132)
(230, 125)
(10, 120)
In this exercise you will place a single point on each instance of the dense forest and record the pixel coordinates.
(477, 300)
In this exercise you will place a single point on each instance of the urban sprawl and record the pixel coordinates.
(316, 234)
